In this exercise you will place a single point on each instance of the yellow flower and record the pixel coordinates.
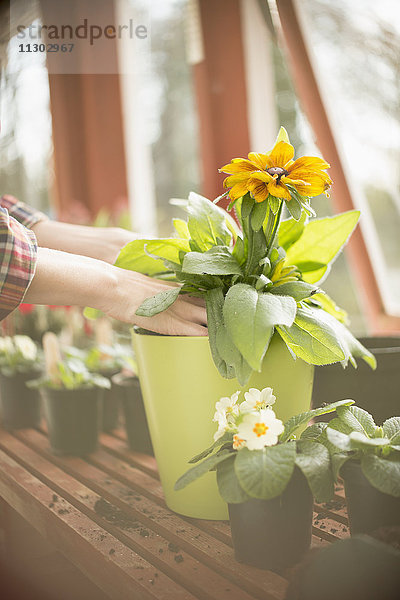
(271, 174)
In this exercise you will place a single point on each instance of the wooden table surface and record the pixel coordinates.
(107, 515)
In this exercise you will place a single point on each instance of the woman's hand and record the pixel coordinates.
(186, 316)
(63, 278)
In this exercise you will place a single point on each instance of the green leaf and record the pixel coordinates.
(239, 250)
(358, 419)
(313, 460)
(246, 206)
(296, 289)
(158, 303)
(290, 231)
(207, 222)
(306, 266)
(312, 339)
(228, 484)
(181, 227)
(382, 473)
(321, 241)
(337, 460)
(215, 321)
(391, 428)
(256, 250)
(201, 468)
(314, 431)
(352, 347)
(227, 437)
(134, 258)
(258, 215)
(294, 206)
(231, 355)
(361, 441)
(297, 421)
(338, 439)
(265, 473)
(329, 305)
(250, 317)
(216, 261)
(274, 203)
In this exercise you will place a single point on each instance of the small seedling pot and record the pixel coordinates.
(274, 534)
(20, 406)
(137, 429)
(74, 419)
(111, 401)
(367, 507)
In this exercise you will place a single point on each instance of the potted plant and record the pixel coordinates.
(267, 475)
(72, 397)
(135, 419)
(367, 456)
(268, 321)
(19, 362)
(376, 392)
(106, 358)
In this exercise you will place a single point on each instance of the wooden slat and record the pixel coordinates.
(120, 572)
(181, 533)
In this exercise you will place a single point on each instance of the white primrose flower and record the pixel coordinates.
(26, 346)
(6, 345)
(227, 407)
(257, 399)
(222, 425)
(260, 429)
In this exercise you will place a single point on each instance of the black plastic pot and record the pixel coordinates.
(20, 406)
(134, 414)
(367, 507)
(111, 403)
(375, 391)
(74, 419)
(274, 534)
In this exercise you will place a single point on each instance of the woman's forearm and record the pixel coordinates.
(63, 278)
(103, 243)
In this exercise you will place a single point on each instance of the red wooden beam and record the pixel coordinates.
(221, 91)
(307, 85)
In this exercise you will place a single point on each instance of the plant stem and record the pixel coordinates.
(270, 243)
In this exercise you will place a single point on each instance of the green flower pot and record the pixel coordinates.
(180, 386)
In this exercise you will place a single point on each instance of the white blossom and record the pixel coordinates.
(257, 399)
(260, 429)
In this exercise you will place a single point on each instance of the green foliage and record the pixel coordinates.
(253, 287)
(244, 473)
(158, 303)
(72, 375)
(321, 241)
(353, 435)
(19, 354)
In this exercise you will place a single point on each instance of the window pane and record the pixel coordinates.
(25, 140)
(356, 47)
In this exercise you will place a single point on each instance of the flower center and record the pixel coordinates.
(277, 171)
(260, 429)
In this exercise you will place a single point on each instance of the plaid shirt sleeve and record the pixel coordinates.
(18, 252)
(21, 212)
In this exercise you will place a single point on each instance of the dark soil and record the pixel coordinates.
(115, 515)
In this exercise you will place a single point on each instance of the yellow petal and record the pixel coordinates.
(308, 163)
(238, 165)
(258, 176)
(279, 190)
(281, 154)
(260, 160)
(315, 185)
